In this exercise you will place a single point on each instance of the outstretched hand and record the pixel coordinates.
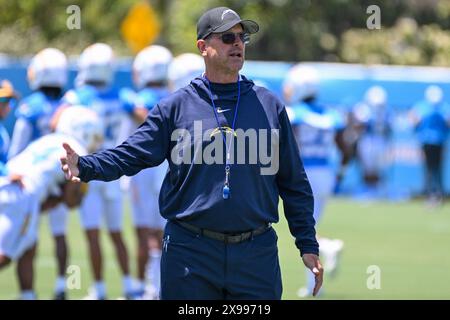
(69, 164)
(312, 262)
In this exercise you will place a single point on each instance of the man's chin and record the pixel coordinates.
(236, 66)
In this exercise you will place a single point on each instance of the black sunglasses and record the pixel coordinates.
(230, 37)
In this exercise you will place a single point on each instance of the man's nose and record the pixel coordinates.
(238, 42)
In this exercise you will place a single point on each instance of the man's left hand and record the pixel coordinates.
(312, 262)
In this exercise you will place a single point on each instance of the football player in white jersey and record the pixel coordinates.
(47, 77)
(103, 200)
(373, 118)
(7, 98)
(34, 182)
(318, 130)
(183, 69)
(150, 68)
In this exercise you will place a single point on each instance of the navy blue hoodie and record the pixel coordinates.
(193, 191)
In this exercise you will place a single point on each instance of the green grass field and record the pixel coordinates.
(409, 244)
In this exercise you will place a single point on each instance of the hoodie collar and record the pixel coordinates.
(220, 91)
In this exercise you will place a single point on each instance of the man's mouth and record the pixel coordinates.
(236, 54)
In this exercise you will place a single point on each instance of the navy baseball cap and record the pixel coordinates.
(222, 19)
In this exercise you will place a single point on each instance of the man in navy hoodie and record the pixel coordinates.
(220, 194)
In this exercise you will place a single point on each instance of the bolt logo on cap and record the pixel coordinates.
(229, 11)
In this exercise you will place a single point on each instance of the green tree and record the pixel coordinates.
(413, 31)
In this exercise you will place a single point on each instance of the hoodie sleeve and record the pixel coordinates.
(295, 190)
(147, 147)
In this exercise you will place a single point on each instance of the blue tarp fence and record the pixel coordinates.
(342, 86)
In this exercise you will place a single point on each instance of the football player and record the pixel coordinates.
(373, 118)
(318, 130)
(47, 77)
(183, 69)
(34, 183)
(150, 69)
(431, 120)
(7, 96)
(103, 200)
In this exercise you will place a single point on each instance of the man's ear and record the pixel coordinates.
(201, 45)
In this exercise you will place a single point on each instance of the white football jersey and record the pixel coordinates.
(39, 164)
(107, 105)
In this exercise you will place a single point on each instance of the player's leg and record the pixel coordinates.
(25, 274)
(439, 169)
(6, 235)
(322, 182)
(156, 225)
(113, 215)
(121, 251)
(155, 253)
(434, 174)
(330, 248)
(141, 220)
(90, 212)
(428, 169)
(95, 255)
(123, 260)
(19, 219)
(436, 170)
(379, 149)
(142, 234)
(368, 154)
(58, 225)
(12, 217)
(61, 253)
(149, 226)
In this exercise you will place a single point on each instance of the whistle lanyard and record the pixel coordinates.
(226, 192)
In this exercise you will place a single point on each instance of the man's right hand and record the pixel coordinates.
(69, 164)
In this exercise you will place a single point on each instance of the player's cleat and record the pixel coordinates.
(150, 293)
(135, 295)
(60, 296)
(93, 295)
(28, 295)
(333, 258)
(303, 292)
(433, 202)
